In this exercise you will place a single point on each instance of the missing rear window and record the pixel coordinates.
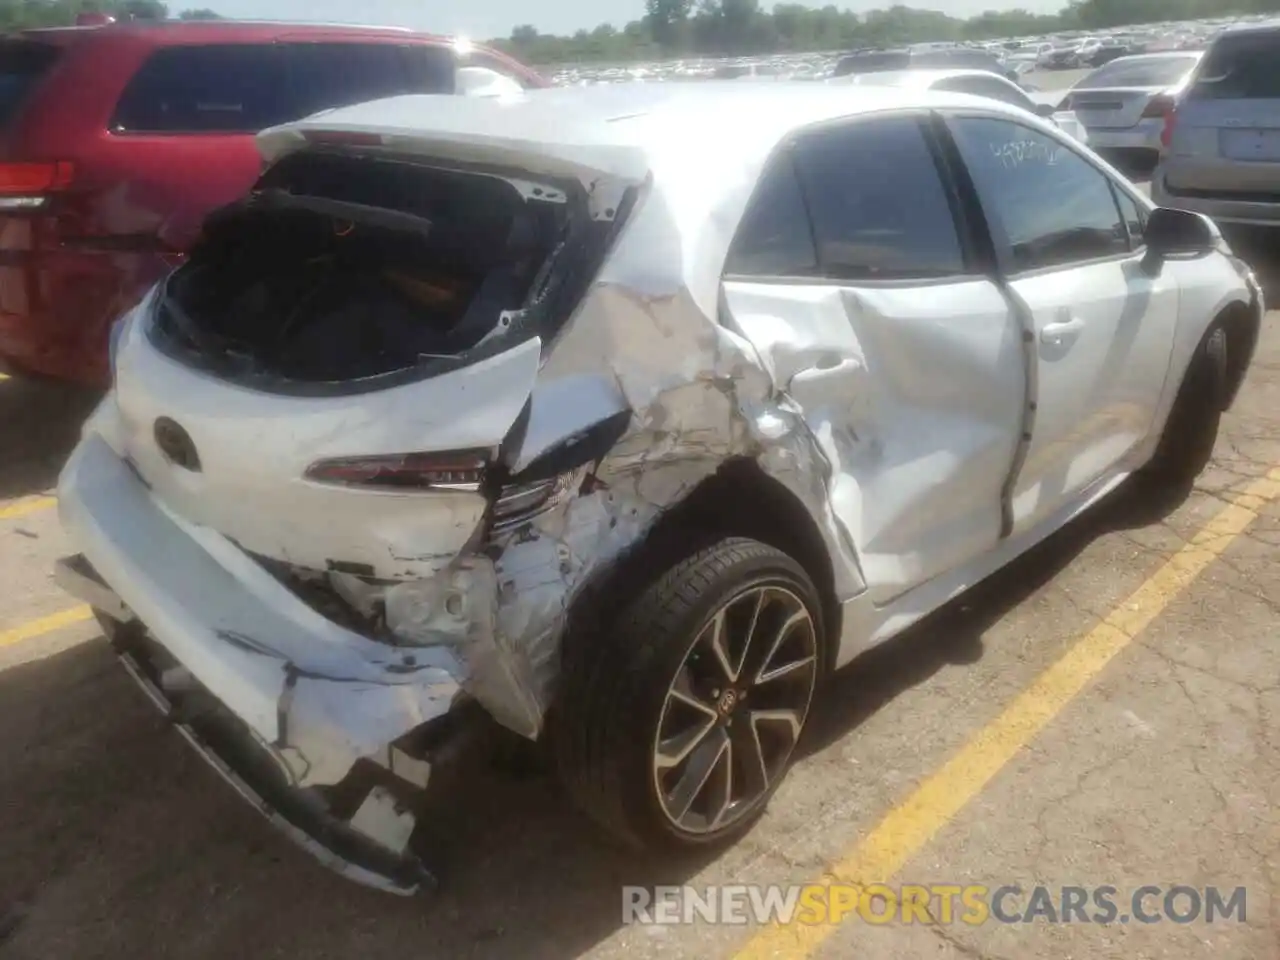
(342, 269)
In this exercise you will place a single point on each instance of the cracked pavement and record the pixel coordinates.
(116, 841)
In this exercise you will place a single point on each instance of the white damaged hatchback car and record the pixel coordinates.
(621, 415)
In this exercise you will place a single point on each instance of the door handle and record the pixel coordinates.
(1057, 332)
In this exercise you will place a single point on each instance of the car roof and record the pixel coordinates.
(1265, 26)
(166, 32)
(624, 129)
(918, 78)
(1160, 55)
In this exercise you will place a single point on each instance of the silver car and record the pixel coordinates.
(620, 415)
(1123, 105)
(1223, 155)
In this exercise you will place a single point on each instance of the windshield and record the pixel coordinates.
(1163, 72)
(1240, 68)
(21, 64)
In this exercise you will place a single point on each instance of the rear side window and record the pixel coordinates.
(22, 64)
(1242, 67)
(225, 88)
(326, 75)
(243, 88)
(880, 211)
(774, 238)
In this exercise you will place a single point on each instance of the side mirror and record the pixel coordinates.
(1045, 110)
(1178, 233)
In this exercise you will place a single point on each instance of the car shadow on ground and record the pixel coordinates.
(39, 423)
(115, 835)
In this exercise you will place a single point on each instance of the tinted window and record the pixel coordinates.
(878, 205)
(988, 87)
(22, 64)
(325, 75)
(243, 88)
(774, 238)
(227, 88)
(872, 63)
(1240, 68)
(1162, 72)
(1048, 203)
(431, 69)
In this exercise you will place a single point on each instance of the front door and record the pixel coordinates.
(1069, 240)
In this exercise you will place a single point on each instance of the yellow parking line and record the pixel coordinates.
(42, 625)
(912, 824)
(20, 508)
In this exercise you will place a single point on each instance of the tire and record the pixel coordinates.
(618, 695)
(1192, 428)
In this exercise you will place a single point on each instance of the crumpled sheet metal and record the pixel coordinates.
(699, 395)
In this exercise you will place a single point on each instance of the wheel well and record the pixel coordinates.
(1239, 322)
(739, 499)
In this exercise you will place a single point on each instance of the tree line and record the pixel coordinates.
(21, 14)
(683, 28)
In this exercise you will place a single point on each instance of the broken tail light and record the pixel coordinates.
(460, 470)
(457, 471)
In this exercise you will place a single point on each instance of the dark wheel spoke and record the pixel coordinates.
(781, 661)
(753, 773)
(702, 764)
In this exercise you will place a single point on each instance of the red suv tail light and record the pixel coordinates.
(25, 186)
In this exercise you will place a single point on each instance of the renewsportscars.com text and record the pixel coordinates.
(970, 904)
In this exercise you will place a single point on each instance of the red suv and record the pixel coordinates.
(116, 140)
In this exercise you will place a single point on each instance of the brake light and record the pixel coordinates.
(1160, 105)
(453, 470)
(33, 180)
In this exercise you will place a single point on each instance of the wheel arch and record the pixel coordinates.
(740, 500)
(1241, 323)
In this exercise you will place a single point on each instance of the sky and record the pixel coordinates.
(484, 19)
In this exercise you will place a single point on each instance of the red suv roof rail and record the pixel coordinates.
(94, 19)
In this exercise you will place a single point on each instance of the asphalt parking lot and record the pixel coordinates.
(1105, 712)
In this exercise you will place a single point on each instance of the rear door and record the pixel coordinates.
(1069, 239)
(855, 279)
(1227, 136)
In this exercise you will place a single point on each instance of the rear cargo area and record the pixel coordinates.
(338, 268)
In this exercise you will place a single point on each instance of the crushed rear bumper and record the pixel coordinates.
(306, 719)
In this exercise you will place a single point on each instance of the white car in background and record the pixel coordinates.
(621, 415)
(978, 83)
(1126, 103)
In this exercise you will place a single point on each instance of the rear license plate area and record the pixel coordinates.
(1261, 146)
